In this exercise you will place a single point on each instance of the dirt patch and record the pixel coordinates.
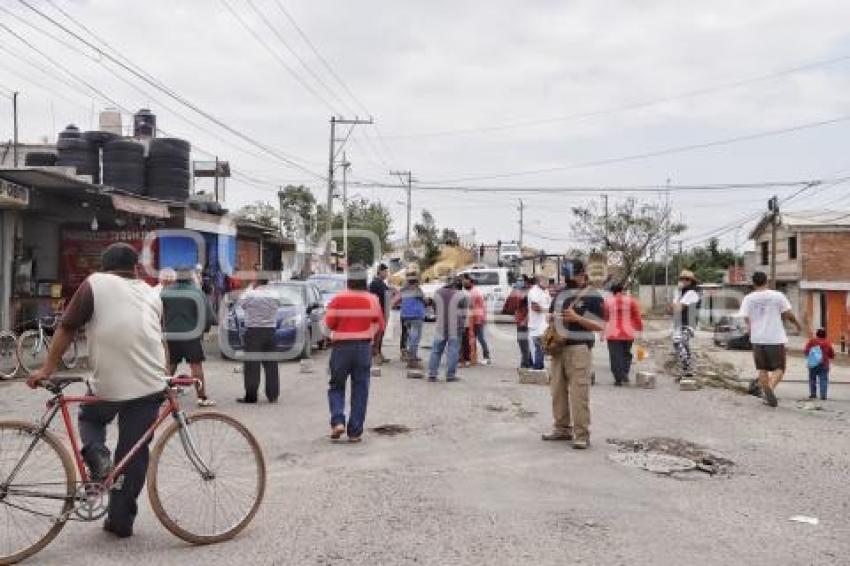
(391, 429)
(669, 456)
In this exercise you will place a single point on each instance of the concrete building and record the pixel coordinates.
(812, 265)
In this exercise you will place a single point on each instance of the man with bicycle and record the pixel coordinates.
(123, 316)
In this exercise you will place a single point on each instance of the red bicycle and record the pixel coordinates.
(206, 476)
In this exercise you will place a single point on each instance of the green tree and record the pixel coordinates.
(298, 213)
(449, 237)
(637, 230)
(428, 239)
(261, 213)
(363, 215)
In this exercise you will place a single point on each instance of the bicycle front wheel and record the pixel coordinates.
(206, 510)
(8, 354)
(32, 351)
(33, 501)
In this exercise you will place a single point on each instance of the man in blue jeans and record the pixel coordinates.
(354, 317)
(450, 308)
(539, 301)
(412, 318)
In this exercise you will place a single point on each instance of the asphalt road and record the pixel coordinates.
(472, 483)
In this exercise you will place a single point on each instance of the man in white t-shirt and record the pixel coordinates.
(765, 311)
(539, 301)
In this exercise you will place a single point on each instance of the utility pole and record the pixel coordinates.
(332, 167)
(345, 165)
(521, 211)
(773, 207)
(605, 199)
(667, 294)
(409, 176)
(15, 121)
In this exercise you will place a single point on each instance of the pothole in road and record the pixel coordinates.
(668, 456)
(391, 429)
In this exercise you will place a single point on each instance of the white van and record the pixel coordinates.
(494, 282)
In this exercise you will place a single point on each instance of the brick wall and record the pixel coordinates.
(826, 256)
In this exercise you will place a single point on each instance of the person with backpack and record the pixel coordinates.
(685, 311)
(412, 318)
(818, 352)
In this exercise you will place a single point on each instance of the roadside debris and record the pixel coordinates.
(668, 456)
(390, 429)
(805, 519)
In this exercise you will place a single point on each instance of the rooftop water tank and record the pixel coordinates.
(110, 121)
(144, 124)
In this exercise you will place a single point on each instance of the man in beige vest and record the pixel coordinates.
(123, 319)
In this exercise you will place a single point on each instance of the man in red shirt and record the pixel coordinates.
(622, 323)
(354, 317)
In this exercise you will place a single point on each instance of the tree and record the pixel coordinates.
(449, 237)
(298, 212)
(638, 230)
(363, 215)
(428, 239)
(261, 213)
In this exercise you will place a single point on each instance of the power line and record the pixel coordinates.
(182, 100)
(656, 153)
(627, 107)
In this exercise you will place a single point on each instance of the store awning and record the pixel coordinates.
(55, 178)
(140, 206)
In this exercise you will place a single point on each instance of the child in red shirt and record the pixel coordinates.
(819, 375)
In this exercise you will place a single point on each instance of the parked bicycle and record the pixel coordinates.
(33, 345)
(206, 476)
(9, 363)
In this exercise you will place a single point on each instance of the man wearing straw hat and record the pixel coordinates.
(685, 311)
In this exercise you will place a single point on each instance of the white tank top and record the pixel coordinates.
(124, 338)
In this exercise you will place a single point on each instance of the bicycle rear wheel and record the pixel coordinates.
(207, 510)
(32, 351)
(33, 503)
(8, 354)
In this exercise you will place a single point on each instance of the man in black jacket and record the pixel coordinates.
(379, 288)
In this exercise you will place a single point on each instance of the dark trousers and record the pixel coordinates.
(539, 356)
(135, 417)
(403, 339)
(350, 358)
(260, 341)
(378, 345)
(466, 344)
(818, 376)
(620, 355)
(524, 350)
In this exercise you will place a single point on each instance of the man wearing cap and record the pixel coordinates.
(578, 313)
(685, 311)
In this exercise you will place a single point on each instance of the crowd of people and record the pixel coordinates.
(137, 334)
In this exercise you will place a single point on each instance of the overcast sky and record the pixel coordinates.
(441, 78)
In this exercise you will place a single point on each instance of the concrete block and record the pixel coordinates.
(415, 374)
(645, 379)
(688, 385)
(533, 376)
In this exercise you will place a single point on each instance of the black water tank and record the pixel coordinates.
(40, 159)
(168, 169)
(76, 151)
(144, 124)
(124, 165)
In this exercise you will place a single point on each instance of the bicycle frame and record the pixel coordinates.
(60, 403)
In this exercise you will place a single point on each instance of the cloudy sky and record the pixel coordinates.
(467, 93)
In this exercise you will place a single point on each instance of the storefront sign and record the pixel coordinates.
(81, 251)
(140, 206)
(12, 195)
